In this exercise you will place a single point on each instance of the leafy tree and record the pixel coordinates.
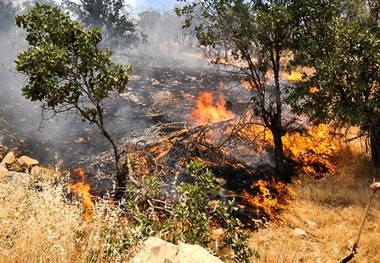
(259, 33)
(67, 71)
(119, 30)
(341, 43)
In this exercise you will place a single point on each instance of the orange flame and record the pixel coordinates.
(83, 190)
(209, 111)
(271, 198)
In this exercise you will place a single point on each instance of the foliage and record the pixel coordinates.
(190, 219)
(65, 68)
(259, 33)
(341, 44)
(116, 24)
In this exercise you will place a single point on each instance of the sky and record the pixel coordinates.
(155, 4)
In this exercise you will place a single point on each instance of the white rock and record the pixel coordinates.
(311, 224)
(299, 232)
(159, 251)
(27, 160)
(8, 159)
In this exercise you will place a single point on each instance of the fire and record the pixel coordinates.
(312, 150)
(270, 198)
(83, 190)
(207, 110)
(297, 75)
(294, 76)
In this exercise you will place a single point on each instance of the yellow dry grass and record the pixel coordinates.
(38, 224)
(324, 221)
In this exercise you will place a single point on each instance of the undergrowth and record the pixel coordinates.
(38, 221)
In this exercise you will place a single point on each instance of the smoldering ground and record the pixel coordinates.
(160, 66)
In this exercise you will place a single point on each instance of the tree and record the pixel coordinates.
(259, 33)
(67, 71)
(111, 17)
(341, 43)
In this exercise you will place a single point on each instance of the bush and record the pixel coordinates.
(190, 219)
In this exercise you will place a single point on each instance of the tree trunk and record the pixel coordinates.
(374, 137)
(279, 155)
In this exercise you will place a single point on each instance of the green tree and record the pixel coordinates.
(341, 42)
(259, 33)
(67, 71)
(111, 16)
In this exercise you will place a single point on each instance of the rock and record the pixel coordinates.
(163, 98)
(311, 224)
(25, 160)
(45, 174)
(8, 159)
(155, 82)
(134, 78)
(129, 96)
(3, 172)
(156, 250)
(299, 232)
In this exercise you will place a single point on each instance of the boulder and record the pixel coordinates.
(163, 98)
(8, 159)
(3, 172)
(157, 250)
(26, 160)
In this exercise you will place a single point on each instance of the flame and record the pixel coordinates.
(271, 198)
(312, 150)
(209, 111)
(297, 75)
(247, 84)
(294, 76)
(83, 190)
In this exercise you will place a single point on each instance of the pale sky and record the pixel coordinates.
(155, 4)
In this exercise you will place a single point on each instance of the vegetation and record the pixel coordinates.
(110, 16)
(191, 217)
(258, 33)
(67, 71)
(114, 231)
(37, 221)
(341, 43)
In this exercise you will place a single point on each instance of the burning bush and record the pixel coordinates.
(311, 151)
(269, 199)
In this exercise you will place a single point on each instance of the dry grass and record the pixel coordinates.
(38, 224)
(329, 211)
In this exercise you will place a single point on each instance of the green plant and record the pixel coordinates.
(199, 212)
(67, 71)
(191, 218)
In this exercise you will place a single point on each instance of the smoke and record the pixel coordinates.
(170, 64)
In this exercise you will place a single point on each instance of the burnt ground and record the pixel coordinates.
(160, 91)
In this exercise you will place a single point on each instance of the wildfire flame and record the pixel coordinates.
(82, 189)
(271, 198)
(207, 110)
